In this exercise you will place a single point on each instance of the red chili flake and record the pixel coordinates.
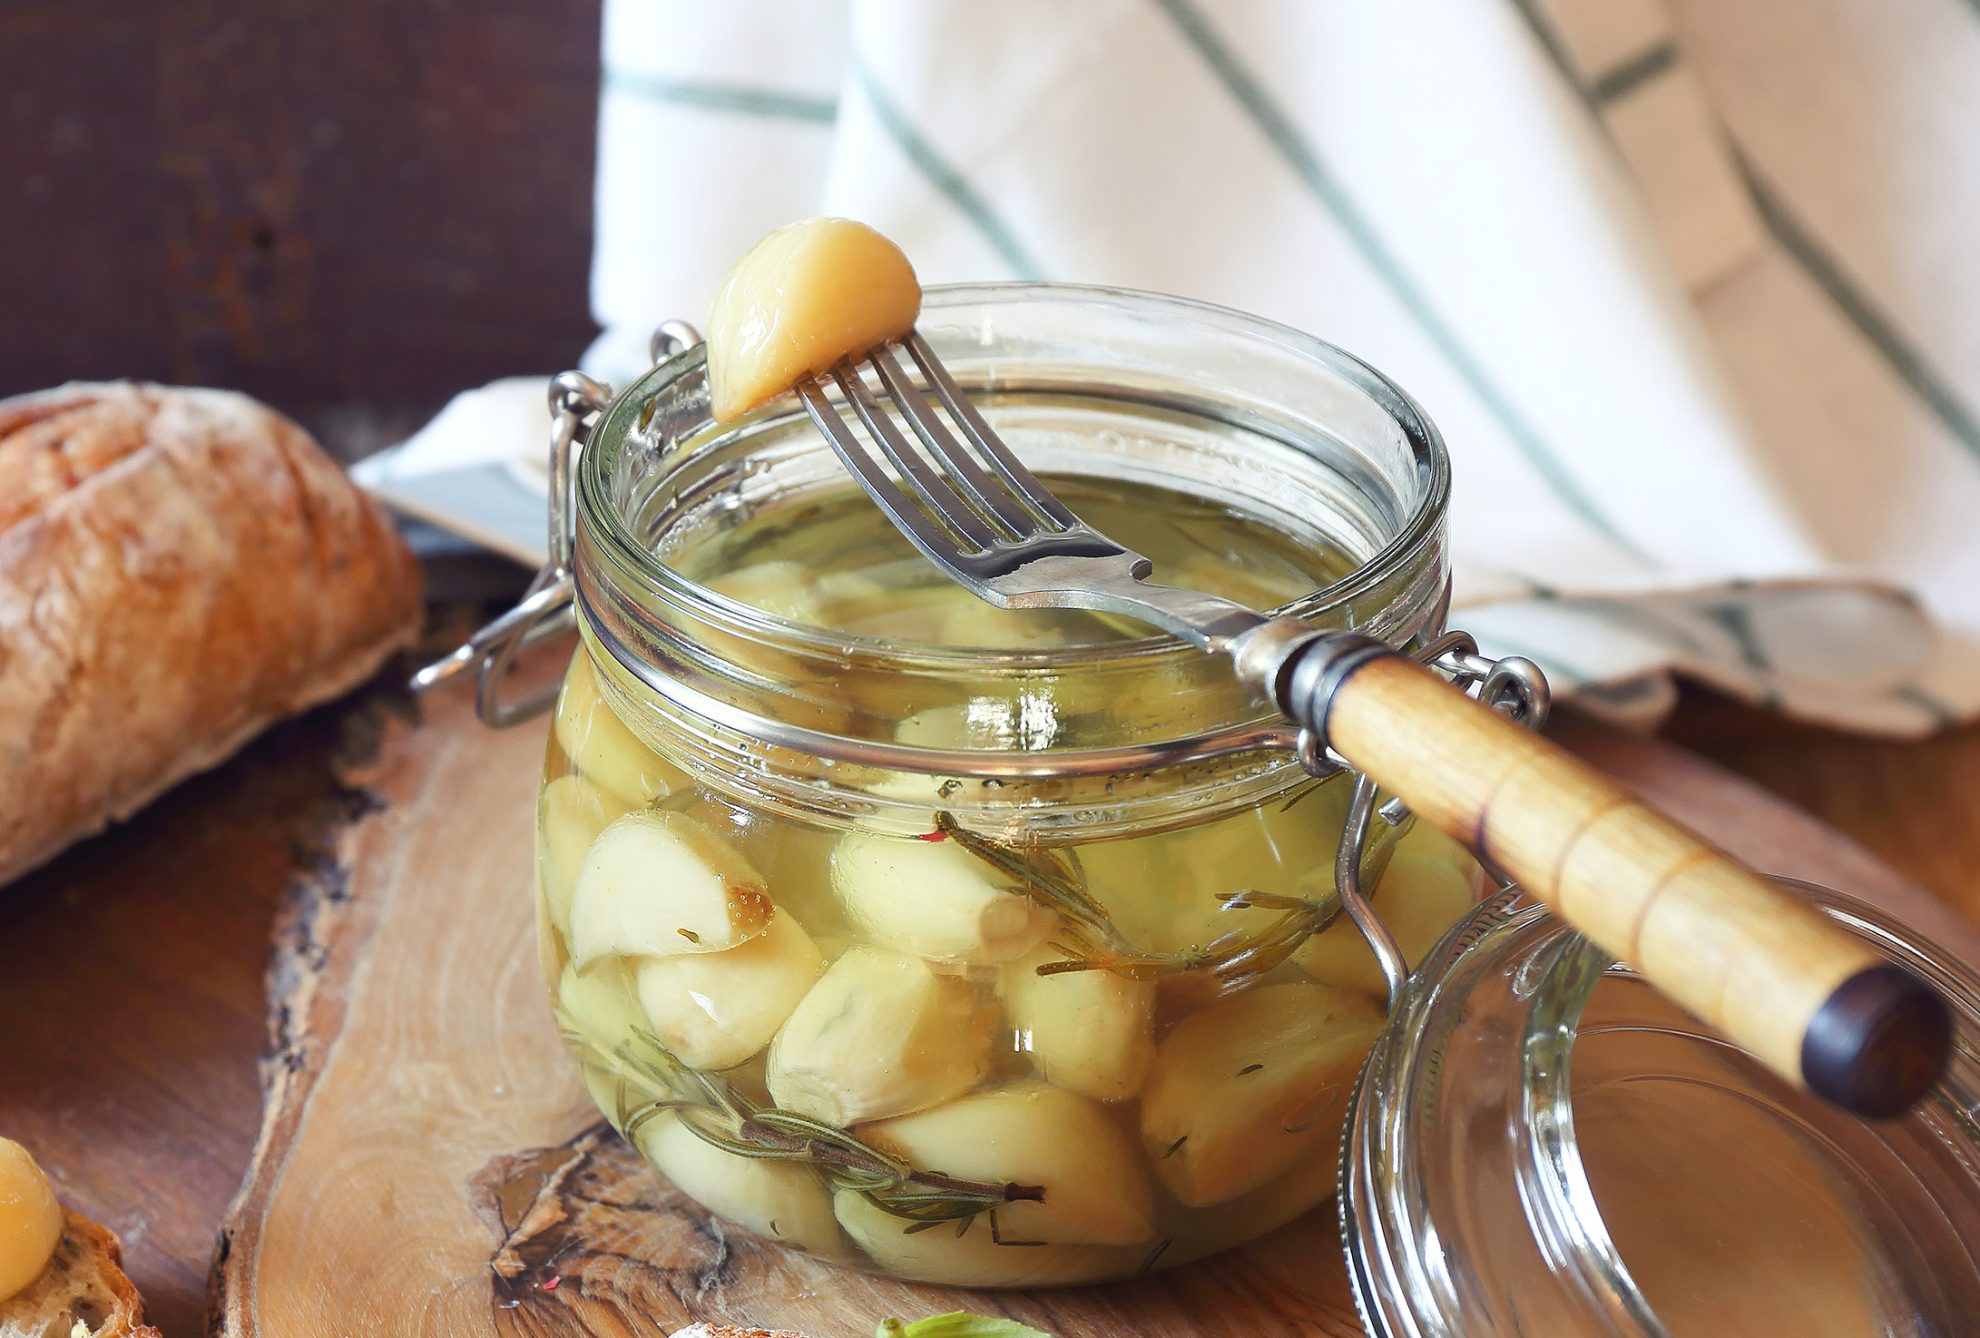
(551, 1285)
(933, 836)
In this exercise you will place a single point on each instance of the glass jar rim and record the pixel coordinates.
(1346, 456)
(1418, 530)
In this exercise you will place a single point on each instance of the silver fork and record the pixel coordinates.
(1816, 1006)
(989, 523)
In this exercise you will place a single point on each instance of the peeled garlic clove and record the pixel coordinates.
(935, 899)
(1419, 898)
(602, 749)
(1243, 1089)
(1306, 1184)
(796, 863)
(1091, 1032)
(847, 599)
(783, 588)
(973, 1259)
(598, 1008)
(1031, 1133)
(30, 1228)
(1164, 891)
(713, 1010)
(805, 298)
(917, 796)
(550, 953)
(976, 623)
(784, 1201)
(881, 1033)
(911, 799)
(656, 884)
(571, 812)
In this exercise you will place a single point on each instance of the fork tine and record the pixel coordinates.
(964, 473)
(913, 521)
(926, 484)
(995, 454)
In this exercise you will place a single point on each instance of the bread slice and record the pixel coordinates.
(178, 569)
(83, 1294)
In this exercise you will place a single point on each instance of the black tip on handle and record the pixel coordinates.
(1878, 1043)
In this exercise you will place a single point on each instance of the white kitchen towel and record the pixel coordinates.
(1692, 287)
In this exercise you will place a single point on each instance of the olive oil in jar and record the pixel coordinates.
(835, 562)
(954, 1054)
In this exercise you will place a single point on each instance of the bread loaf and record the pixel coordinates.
(178, 568)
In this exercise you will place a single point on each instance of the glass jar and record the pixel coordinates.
(977, 947)
(1542, 1143)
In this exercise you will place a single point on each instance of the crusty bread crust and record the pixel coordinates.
(178, 569)
(85, 1283)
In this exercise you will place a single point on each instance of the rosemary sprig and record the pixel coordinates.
(1091, 941)
(719, 1115)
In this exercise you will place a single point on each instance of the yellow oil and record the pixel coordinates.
(1245, 1079)
(836, 556)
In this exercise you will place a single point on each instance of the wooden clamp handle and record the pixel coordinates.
(1816, 1006)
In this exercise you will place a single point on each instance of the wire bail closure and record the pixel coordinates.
(1514, 685)
(547, 607)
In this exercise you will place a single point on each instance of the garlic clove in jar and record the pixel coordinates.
(572, 812)
(784, 1201)
(602, 749)
(656, 884)
(782, 588)
(978, 624)
(935, 899)
(1241, 1090)
(805, 298)
(597, 1010)
(849, 598)
(974, 1258)
(598, 1006)
(1096, 1189)
(881, 1033)
(1091, 1032)
(713, 1010)
(1420, 897)
(909, 800)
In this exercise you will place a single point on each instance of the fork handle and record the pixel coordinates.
(1816, 1006)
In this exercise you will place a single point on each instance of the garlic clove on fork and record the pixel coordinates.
(805, 298)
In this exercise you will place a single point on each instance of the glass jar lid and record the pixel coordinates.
(1542, 1144)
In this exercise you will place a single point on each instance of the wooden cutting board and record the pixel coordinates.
(429, 1165)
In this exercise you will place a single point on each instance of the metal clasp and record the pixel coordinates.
(545, 610)
(1515, 686)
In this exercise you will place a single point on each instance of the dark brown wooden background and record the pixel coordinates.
(350, 208)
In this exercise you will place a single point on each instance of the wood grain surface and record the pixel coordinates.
(134, 965)
(427, 1135)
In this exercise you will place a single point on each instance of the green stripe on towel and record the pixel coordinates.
(1904, 357)
(1943, 716)
(945, 178)
(1278, 128)
(770, 102)
(1856, 307)
(1633, 73)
